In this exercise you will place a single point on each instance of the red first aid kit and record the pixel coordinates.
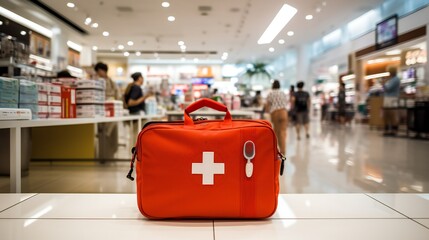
(207, 168)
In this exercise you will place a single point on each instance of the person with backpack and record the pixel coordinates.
(301, 105)
(133, 97)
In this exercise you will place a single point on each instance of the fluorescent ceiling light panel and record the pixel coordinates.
(74, 46)
(393, 52)
(378, 75)
(282, 18)
(32, 25)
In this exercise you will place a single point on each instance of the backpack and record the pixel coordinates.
(301, 100)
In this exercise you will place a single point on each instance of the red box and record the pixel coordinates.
(68, 102)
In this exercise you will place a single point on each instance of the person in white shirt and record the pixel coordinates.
(277, 106)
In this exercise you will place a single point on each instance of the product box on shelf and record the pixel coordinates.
(43, 99)
(9, 96)
(91, 84)
(33, 107)
(113, 108)
(90, 99)
(27, 87)
(67, 81)
(9, 84)
(68, 102)
(89, 93)
(90, 110)
(43, 111)
(54, 100)
(54, 111)
(43, 88)
(54, 89)
(15, 114)
(8, 105)
(28, 98)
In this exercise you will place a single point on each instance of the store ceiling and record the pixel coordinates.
(232, 26)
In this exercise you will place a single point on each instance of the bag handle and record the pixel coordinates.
(206, 102)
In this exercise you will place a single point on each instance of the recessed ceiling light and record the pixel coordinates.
(180, 43)
(106, 34)
(324, 3)
(9, 37)
(282, 18)
(281, 41)
(171, 18)
(196, 60)
(130, 43)
(70, 5)
(126, 54)
(309, 17)
(290, 33)
(88, 20)
(155, 54)
(318, 9)
(271, 49)
(94, 48)
(138, 53)
(94, 25)
(183, 47)
(23, 33)
(1, 23)
(112, 49)
(165, 4)
(120, 46)
(183, 50)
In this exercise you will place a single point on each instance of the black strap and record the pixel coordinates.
(129, 175)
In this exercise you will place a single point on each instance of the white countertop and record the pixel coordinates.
(70, 121)
(298, 216)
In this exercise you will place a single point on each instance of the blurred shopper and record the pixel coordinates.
(257, 100)
(391, 95)
(291, 109)
(276, 105)
(302, 107)
(112, 91)
(216, 96)
(134, 94)
(107, 132)
(342, 103)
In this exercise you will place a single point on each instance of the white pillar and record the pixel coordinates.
(426, 77)
(87, 56)
(303, 66)
(59, 49)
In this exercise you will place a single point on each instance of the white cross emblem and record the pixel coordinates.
(208, 168)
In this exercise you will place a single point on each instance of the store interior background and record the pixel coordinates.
(221, 44)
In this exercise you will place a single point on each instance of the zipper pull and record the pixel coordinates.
(249, 153)
(129, 175)
(282, 166)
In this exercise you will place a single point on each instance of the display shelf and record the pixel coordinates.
(71, 121)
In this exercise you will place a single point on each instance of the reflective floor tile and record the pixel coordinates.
(412, 205)
(8, 200)
(331, 206)
(72, 229)
(322, 229)
(425, 222)
(77, 206)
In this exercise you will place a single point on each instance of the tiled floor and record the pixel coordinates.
(303, 216)
(334, 160)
